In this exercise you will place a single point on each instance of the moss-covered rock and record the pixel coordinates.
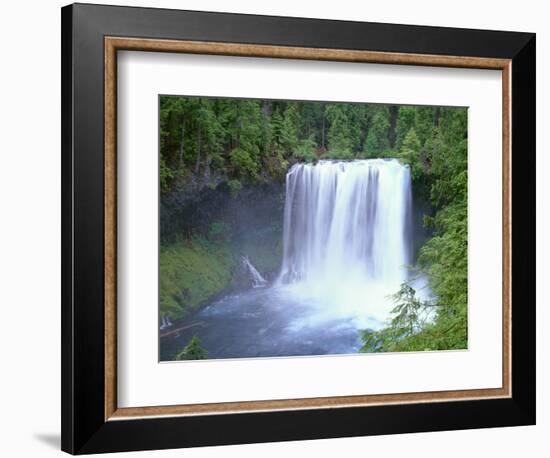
(191, 273)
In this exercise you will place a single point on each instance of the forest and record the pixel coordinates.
(222, 170)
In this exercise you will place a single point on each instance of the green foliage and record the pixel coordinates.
(254, 140)
(387, 154)
(340, 133)
(243, 163)
(378, 134)
(191, 272)
(449, 161)
(235, 187)
(305, 151)
(407, 311)
(410, 317)
(289, 128)
(410, 154)
(445, 260)
(192, 351)
(344, 155)
(166, 175)
(405, 121)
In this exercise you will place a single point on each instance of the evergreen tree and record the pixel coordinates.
(192, 351)
(289, 129)
(410, 153)
(405, 122)
(339, 134)
(377, 140)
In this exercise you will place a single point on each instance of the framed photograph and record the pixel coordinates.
(281, 228)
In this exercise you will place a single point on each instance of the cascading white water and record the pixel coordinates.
(165, 322)
(346, 243)
(257, 280)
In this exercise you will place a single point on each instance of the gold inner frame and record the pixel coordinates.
(112, 45)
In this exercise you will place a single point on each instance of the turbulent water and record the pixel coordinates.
(346, 234)
(346, 249)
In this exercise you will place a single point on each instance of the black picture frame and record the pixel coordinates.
(84, 428)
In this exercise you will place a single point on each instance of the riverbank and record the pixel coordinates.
(196, 271)
(205, 237)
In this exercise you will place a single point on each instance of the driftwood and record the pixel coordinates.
(175, 331)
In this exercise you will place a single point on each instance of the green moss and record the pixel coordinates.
(191, 273)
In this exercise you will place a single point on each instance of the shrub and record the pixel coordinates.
(192, 351)
(235, 187)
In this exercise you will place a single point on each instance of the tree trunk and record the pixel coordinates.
(240, 124)
(182, 144)
(266, 111)
(207, 161)
(393, 124)
(323, 131)
(198, 163)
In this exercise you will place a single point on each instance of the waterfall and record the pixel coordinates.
(165, 322)
(257, 280)
(346, 228)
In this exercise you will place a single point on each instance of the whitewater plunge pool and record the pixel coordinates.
(346, 250)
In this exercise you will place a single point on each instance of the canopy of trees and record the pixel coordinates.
(246, 141)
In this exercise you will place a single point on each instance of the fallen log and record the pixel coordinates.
(182, 328)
